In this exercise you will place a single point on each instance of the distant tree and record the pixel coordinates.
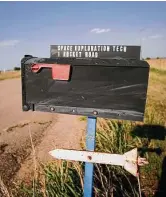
(148, 58)
(157, 58)
(17, 68)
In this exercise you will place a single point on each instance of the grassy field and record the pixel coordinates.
(157, 63)
(10, 75)
(66, 178)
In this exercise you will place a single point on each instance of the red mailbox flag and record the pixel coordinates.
(59, 71)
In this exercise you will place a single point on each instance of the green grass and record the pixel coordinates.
(64, 179)
(83, 118)
(158, 71)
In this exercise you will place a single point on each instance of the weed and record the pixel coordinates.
(83, 118)
(63, 179)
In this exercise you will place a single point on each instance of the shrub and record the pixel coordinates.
(17, 68)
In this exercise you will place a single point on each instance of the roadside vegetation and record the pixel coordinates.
(10, 75)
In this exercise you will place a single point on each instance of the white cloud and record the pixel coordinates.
(155, 36)
(143, 38)
(99, 30)
(152, 37)
(6, 43)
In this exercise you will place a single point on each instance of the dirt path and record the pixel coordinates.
(66, 132)
(47, 130)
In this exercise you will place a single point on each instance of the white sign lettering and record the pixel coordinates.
(87, 51)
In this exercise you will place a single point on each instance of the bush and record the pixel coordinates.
(148, 58)
(17, 68)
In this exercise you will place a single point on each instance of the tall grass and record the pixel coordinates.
(114, 137)
(55, 180)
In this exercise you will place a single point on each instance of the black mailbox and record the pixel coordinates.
(101, 81)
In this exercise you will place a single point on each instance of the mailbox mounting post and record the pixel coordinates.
(90, 146)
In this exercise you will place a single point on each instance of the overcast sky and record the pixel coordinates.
(31, 27)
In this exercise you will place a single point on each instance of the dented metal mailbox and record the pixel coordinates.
(101, 81)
